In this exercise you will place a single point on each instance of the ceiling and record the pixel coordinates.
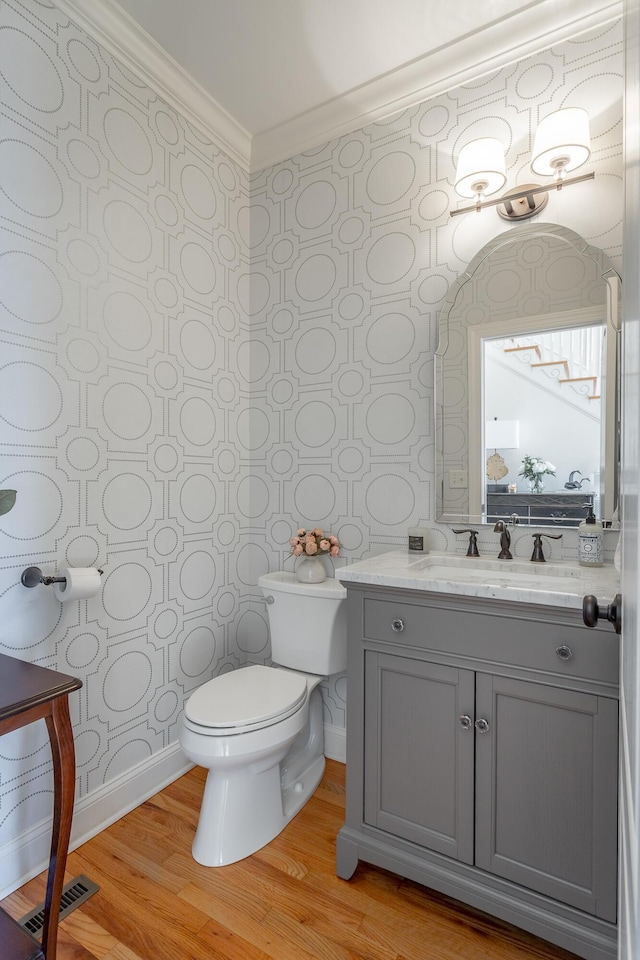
(280, 75)
(267, 61)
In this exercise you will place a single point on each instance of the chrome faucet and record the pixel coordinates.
(502, 527)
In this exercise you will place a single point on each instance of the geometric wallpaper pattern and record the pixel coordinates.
(124, 384)
(193, 362)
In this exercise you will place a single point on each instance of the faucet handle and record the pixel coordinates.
(538, 556)
(472, 549)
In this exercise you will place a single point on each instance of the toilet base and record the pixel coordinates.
(246, 807)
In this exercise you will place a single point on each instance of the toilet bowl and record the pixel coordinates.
(259, 730)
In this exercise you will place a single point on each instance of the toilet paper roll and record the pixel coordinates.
(80, 582)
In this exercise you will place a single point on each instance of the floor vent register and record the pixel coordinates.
(74, 894)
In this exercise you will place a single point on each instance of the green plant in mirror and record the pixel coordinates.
(7, 501)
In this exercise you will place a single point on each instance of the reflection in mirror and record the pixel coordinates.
(527, 385)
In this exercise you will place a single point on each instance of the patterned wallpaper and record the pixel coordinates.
(125, 372)
(193, 363)
(353, 253)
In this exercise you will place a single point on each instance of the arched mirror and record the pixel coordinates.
(526, 383)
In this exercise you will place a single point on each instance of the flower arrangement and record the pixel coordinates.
(534, 469)
(314, 543)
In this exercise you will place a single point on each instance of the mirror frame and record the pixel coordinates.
(610, 425)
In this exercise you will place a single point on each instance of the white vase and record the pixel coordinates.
(310, 570)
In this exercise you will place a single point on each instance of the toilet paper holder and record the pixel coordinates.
(32, 576)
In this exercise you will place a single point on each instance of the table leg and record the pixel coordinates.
(63, 753)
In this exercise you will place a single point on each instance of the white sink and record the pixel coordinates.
(486, 569)
(559, 584)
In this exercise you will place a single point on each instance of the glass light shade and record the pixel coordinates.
(501, 434)
(481, 168)
(562, 142)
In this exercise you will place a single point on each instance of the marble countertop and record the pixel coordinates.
(558, 584)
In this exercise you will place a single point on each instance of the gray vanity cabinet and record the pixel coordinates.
(546, 790)
(482, 758)
(412, 741)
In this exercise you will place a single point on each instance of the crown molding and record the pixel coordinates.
(112, 27)
(537, 27)
(540, 25)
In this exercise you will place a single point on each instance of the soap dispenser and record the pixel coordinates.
(590, 540)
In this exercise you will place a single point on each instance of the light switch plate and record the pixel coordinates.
(458, 479)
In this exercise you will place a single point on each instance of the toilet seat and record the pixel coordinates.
(246, 699)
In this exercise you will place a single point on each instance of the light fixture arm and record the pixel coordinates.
(528, 192)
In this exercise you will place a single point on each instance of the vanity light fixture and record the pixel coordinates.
(481, 168)
(561, 144)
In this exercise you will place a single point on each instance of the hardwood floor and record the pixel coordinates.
(284, 902)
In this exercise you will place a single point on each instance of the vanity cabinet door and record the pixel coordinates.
(546, 790)
(418, 764)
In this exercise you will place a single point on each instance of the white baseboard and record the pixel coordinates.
(335, 743)
(27, 855)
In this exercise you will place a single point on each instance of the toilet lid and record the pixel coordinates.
(246, 697)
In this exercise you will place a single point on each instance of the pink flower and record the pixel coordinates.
(312, 542)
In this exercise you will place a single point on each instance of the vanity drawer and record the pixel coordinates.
(552, 647)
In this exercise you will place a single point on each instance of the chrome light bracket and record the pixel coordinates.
(520, 205)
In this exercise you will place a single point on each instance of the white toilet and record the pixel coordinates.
(259, 730)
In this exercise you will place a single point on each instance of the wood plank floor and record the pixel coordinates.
(283, 903)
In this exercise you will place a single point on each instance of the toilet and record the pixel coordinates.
(259, 730)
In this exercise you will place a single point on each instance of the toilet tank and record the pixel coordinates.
(307, 622)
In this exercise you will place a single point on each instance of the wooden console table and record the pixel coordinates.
(28, 693)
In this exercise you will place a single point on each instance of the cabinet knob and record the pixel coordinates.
(465, 721)
(482, 725)
(397, 625)
(564, 652)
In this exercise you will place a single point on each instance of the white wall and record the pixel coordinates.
(171, 415)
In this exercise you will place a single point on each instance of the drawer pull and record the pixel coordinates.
(397, 625)
(465, 721)
(482, 725)
(564, 652)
